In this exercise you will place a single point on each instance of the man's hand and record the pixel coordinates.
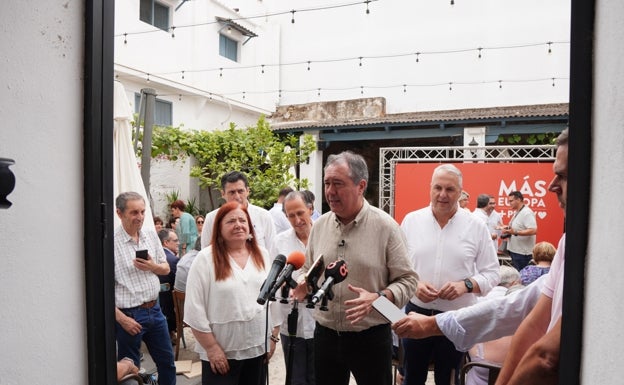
(452, 290)
(300, 292)
(416, 325)
(149, 265)
(128, 324)
(145, 264)
(360, 306)
(426, 292)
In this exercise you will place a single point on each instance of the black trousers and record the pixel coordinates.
(366, 354)
(417, 354)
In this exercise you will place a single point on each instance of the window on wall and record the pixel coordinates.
(228, 47)
(163, 111)
(155, 13)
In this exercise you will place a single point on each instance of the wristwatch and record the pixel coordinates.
(468, 284)
(382, 294)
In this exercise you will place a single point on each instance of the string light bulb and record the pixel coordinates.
(480, 52)
(182, 74)
(450, 86)
(452, 2)
(553, 82)
(292, 20)
(173, 32)
(367, 10)
(318, 93)
(220, 72)
(361, 90)
(360, 61)
(263, 68)
(500, 84)
(417, 57)
(126, 38)
(549, 47)
(148, 79)
(308, 65)
(180, 97)
(404, 88)
(243, 94)
(279, 94)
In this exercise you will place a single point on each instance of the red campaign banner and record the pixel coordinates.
(413, 180)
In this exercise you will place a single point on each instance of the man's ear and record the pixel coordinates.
(362, 186)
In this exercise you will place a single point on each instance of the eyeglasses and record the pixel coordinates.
(174, 240)
(200, 222)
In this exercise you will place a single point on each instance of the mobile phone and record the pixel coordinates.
(387, 309)
(141, 254)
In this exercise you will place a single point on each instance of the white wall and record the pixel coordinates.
(42, 321)
(397, 27)
(603, 340)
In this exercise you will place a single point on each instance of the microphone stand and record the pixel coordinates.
(292, 334)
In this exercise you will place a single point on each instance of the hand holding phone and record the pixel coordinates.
(141, 254)
(388, 310)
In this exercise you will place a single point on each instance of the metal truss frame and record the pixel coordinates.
(390, 156)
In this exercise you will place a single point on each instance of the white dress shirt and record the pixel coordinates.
(491, 319)
(462, 249)
(285, 243)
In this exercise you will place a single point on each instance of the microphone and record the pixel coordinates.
(294, 262)
(278, 264)
(335, 272)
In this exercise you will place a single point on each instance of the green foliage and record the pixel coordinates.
(172, 196)
(532, 139)
(257, 151)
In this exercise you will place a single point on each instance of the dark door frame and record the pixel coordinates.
(98, 191)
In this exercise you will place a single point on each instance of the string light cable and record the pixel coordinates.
(247, 18)
(361, 59)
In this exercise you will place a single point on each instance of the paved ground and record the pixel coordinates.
(277, 367)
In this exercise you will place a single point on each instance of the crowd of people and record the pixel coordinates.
(440, 264)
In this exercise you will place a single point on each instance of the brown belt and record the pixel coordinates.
(148, 305)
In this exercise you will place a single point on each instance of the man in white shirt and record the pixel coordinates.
(298, 210)
(533, 356)
(277, 212)
(520, 232)
(235, 187)
(485, 211)
(452, 253)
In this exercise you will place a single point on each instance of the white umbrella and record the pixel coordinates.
(126, 173)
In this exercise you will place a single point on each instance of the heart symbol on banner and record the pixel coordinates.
(542, 214)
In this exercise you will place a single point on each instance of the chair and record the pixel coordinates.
(494, 370)
(131, 379)
(178, 306)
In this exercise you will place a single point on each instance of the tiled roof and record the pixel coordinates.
(444, 116)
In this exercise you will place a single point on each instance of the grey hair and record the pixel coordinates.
(450, 169)
(358, 170)
(123, 198)
(508, 275)
(164, 234)
(293, 195)
(562, 139)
